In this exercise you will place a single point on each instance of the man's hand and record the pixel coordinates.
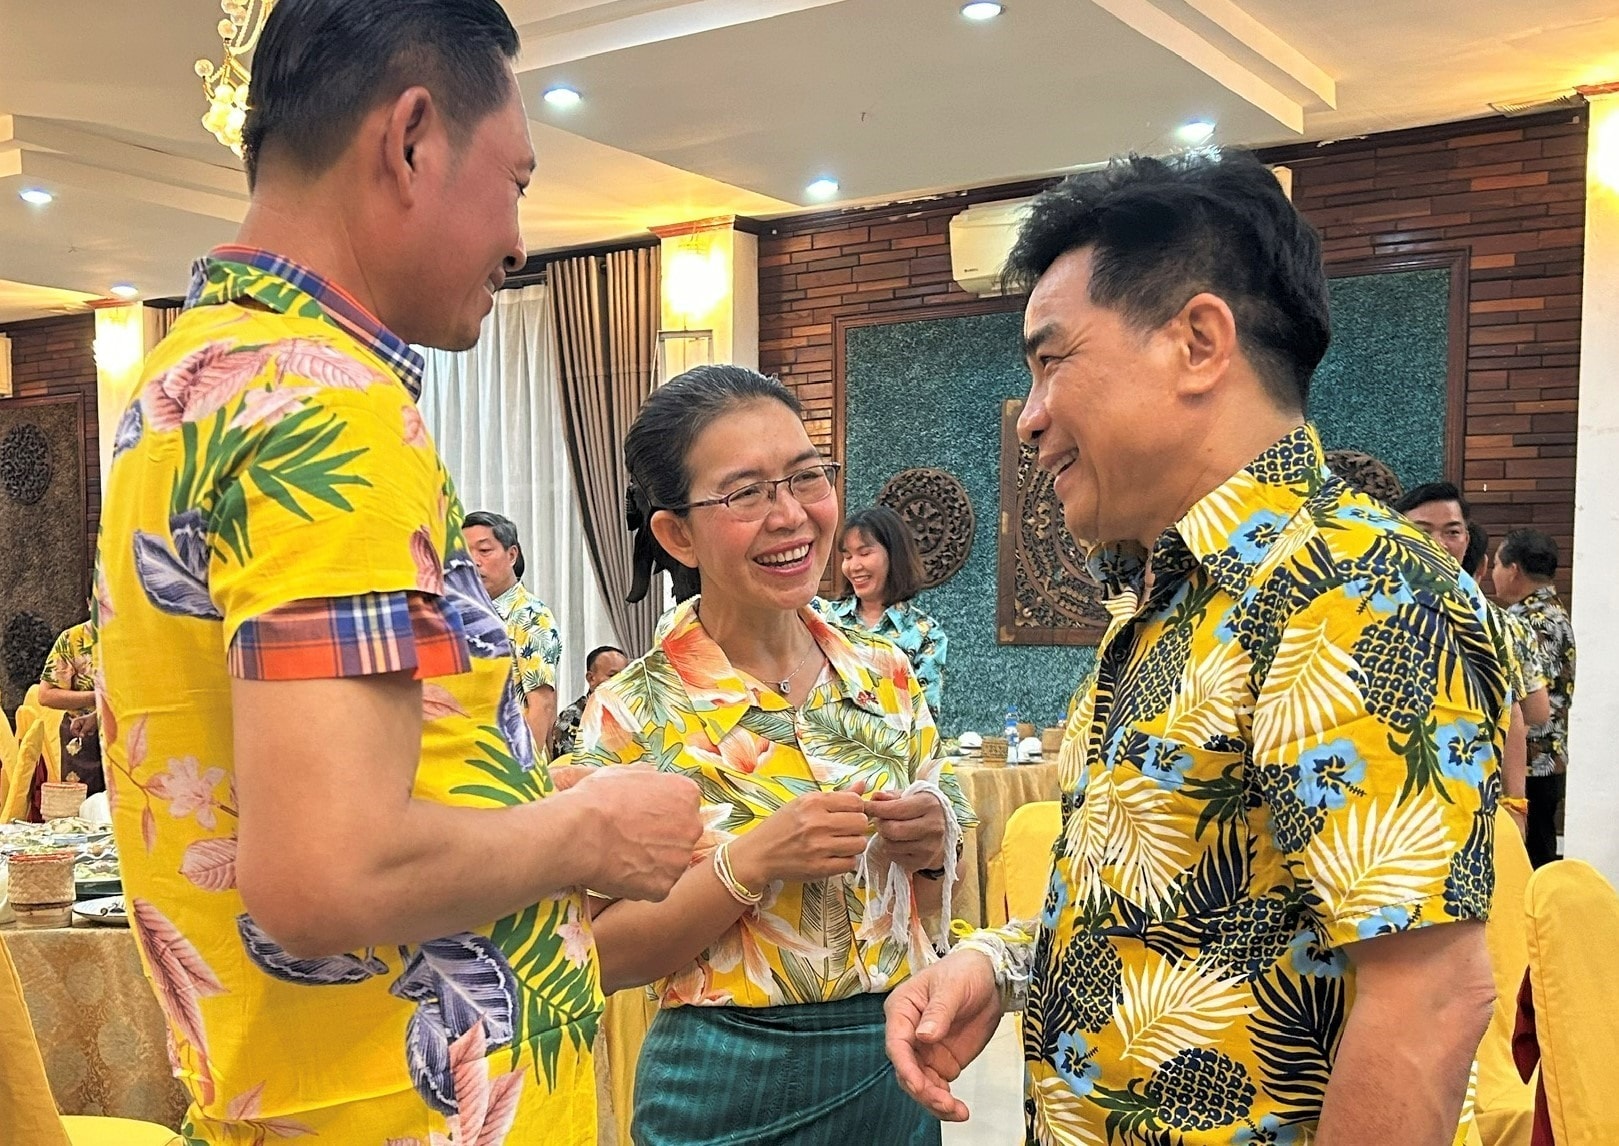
(643, 828)
(912, 828)
(938, 1022)
(565, 776)
(84, 726)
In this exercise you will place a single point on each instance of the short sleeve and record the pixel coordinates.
(327, 498)
(58, 670)
(608, 733)
(1373, 756)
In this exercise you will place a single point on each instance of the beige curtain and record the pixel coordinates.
(606, 310)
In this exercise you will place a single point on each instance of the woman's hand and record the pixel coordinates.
(813, 837)
(912, 828)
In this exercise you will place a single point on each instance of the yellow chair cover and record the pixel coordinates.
(1506, 1104)
(29, 711)
(8, 754)
(1023, 867)
(27, 1110)
(15, 805)
(1573, 933)
(624, 1025)
(51, 745)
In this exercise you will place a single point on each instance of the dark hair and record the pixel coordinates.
(655, 452)
(1164, 230)
(600, 651)
(322, 65)
(1365, 474)
(503, 528)
(888, 529)
(1478, 548)
(1532, 551)
(1431, 491)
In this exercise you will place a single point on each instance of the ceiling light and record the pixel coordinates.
(1197, 132)
(561, 97)
(981, 10)
(38, 196)
(125, 290)
(822, 188)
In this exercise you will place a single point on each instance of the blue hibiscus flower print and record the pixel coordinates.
(1327, 772)
(1371, 514)
(1166, 763)
(1056, 899)
(1254, 537)
(1386, 921)
(1464, 752)
(1076, 1063)
(1307, 956)
(1269, 1131)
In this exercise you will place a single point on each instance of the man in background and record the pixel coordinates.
(1439, 510)
(1524, 567)
(603, 664)
(536, 643)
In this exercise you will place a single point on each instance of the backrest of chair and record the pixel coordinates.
(1573, 932)
(27, 1110)
(15, 798)
(1031, 831)
(1507, 936)
(8, 752)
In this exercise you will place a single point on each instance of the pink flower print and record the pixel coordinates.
(415, 427)
(200, 384)
(189, 790)
(429, 569)
(269, 406)
(576, 937)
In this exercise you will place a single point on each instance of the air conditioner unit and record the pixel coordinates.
(980, 238)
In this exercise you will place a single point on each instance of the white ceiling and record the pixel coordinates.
(695, 108)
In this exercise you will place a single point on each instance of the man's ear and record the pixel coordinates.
(410, 126)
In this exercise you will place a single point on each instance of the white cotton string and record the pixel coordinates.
(889, 912)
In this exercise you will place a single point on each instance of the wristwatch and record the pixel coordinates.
(938, 872)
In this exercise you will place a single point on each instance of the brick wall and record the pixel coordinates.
(1509, 193)
(54, 357)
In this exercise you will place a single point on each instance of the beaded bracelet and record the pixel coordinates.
(727, 878)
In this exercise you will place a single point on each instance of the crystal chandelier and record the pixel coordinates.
(226, 84)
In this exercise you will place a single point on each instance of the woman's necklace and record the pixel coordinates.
(784, 685)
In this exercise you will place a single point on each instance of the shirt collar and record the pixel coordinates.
(1545, 595)
(509, 600)
(1232, 529)
(231, 273)
(848, 608)
(719, 695)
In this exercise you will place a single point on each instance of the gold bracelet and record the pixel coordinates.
(1515, 804)
(727, 878)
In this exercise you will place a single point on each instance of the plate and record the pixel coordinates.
(109, 910)
(98, 888)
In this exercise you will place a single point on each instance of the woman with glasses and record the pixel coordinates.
(884, 571)
(832, 824)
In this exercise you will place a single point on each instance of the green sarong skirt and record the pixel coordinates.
(813, 1074)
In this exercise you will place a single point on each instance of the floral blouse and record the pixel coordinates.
(684, 708)
(917, 634)
(68, 666)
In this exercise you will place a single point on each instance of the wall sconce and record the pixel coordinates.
(1604, 160)
(696, 278)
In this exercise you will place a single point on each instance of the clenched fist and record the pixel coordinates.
(642, 827)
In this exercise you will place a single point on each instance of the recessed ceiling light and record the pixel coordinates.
(822, 188)
(125, 290)
(981, 10)
(1196, 132)
(561, 96)
(35, 195)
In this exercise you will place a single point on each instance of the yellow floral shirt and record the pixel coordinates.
(69, 664)
(274, 460)
(684, 708)
(1292, 745)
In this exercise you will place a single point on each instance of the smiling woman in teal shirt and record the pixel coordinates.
(884, 570)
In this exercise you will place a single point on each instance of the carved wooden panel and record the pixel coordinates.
(935, 505)
(1043, 595)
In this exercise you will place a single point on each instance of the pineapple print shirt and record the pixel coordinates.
(684, 708)
(1290, 746)
(277, 510)
(536, 644)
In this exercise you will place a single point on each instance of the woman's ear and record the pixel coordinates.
(674, 534)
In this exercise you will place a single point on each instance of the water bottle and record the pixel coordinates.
(1011, 735)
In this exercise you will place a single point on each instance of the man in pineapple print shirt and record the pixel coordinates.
(354, 888)
(1264, 920)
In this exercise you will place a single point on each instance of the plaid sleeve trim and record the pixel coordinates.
(363, 635)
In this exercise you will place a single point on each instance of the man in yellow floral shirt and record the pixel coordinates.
(536, 644)
(354, 890)
(1264, 919)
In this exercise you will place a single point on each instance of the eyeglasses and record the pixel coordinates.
(753, 501)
